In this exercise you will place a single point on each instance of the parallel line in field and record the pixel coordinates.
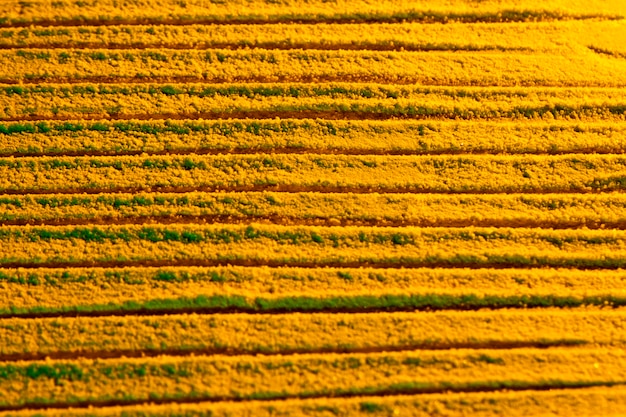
(299, 78)
(507, 16)
(141, 353)
(359, 114)
(270, 46)
(297, 264)
(277, 397)
(315, 221)
(358, 304)
(284, 188)
(522, 403)
(603, 51)
(219, 115)
(315, 151)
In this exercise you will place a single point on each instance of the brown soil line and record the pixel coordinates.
(144, 312)
(601, 51)
(316, 151)
(299, 189)
(95, 354)
(340, 394)
(235, 114)
(268, 45)
(274, 150)
(295, 264)
(296, 78)
(316, 221)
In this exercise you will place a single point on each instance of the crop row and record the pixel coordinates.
(482, 68)
(302, 333)
(339, 100)
(310, 245)
(112, 12)
(136, 289)
(265, 289)
(69, 382)
(514, 210)
(335, 90)
(408, 36)
(311, 172)
(323, 136)
(262, 289)
(587, 402)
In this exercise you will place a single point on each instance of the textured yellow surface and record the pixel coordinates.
(585, 402)
(312, 208)
(299, 332)
(544, 36)
(220, 65)
(326, 100)
(288, 172)
(318, 10)
(70, 288)
(323, 136)
(527, 210)
(251, 377)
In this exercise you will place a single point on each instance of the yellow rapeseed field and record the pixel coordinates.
(312, 208)
(599, 210)
(302, 332)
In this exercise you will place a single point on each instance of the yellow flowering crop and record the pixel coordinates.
(16, 13)
(586, 402)
(324, 101)
(298, 332)
(311, 246)
(314, 172)
(258, 289)
(482, 68)
(314, 136)
(393, 209)
(557, 36)
(312, 208)
(310, 375)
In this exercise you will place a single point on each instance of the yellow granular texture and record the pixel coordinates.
(312, 208)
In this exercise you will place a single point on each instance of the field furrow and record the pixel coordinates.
(582, 402)
(558, 211)
(84, 381)
(452, 68)
(137, 336)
